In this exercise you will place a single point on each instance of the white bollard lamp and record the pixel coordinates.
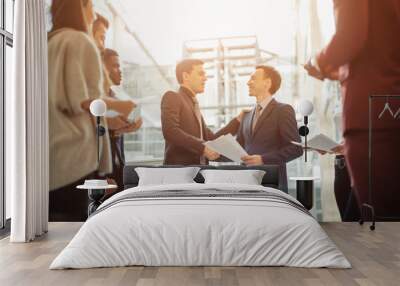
(305, 108)
(98, 109)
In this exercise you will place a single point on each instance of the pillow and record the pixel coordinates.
(166, 176)
(248, 177)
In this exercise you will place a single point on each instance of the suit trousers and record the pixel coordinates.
(345, 198)
(385, 170)
(118, 158)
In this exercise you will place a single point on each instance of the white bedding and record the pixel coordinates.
(200, 231)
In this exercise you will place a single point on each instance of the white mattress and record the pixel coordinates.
(200, 231)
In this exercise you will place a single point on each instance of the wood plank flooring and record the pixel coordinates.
(375, 257)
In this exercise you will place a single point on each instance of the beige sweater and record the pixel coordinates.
(75, 74)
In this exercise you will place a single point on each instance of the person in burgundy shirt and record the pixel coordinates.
(364, 55)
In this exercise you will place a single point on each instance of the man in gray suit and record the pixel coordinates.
(267, 131)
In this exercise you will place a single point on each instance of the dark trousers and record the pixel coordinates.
(118, 158)
(68, 203)
(385, 169)
(344, 195)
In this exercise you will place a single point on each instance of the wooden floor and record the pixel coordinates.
(375, 257)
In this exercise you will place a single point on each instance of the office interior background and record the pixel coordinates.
(232, 37)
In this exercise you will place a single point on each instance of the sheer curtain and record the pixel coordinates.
(27, 124)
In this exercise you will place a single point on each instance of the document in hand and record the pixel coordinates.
(122, 95)
(227, 146)
(319, 142)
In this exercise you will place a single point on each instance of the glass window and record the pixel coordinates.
(9, 12)
(1, 14)
(2, 202)
(8, 86)
(6, 27)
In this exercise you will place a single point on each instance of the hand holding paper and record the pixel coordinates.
(320, 143)
(227, 146)
(252, 160)
(210, 154)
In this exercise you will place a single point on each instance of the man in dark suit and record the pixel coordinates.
(267, 131)
(183, 125)
(116, 129)
(364, 55)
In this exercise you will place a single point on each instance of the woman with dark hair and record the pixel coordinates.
(74, 14)
(75, 79)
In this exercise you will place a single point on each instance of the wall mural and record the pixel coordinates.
(183, 76)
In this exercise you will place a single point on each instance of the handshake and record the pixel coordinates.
(248, 160)
(210, 154)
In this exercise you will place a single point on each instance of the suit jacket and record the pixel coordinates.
(181, 129)
(274, 130)
(366, 50)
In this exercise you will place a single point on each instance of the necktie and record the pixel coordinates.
(256, 115)
(198, 114)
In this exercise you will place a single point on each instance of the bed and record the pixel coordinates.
(198, 224)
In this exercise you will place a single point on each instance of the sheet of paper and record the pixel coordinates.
(227, 146)
(319, 142)
(111, 113)
(122, 95)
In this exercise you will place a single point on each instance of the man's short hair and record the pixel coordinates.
(273, 74)
(186, 66)
(100, 20)
(108, 53)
